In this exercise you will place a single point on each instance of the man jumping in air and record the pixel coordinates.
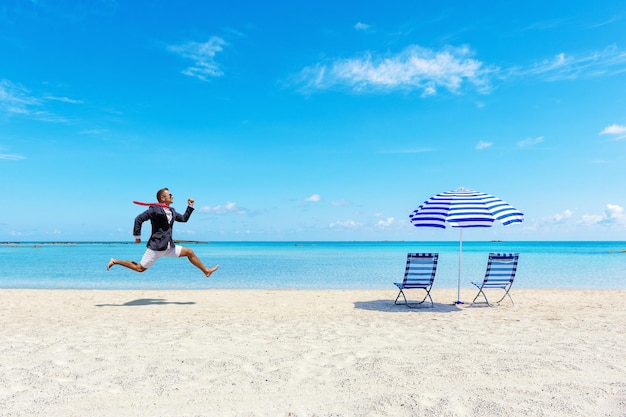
(161, 243)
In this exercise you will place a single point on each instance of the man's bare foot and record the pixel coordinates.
(209, 271)
(111, 263)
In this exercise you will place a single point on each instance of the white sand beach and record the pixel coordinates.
(310, 353)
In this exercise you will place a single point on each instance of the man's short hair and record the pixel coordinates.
(160, 193)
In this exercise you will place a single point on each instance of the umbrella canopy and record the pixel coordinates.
(464, 208)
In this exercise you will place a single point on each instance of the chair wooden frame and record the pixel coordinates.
(419, 274)
(501, 270)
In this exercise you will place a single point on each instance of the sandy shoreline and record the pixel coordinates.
(310, 353)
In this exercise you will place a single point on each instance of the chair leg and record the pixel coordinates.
(506, 292)
(406, 303)
(480, 291)
(431, 299)
(401, 293)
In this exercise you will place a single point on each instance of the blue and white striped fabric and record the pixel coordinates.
(464, 208)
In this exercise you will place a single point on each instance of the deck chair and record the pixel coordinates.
(501, 268)
(419, 274)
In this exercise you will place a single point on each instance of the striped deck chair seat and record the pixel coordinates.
(419, 274)
(501, 269)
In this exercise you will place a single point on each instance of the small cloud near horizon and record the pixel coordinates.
(385, 223)
(340, 203)
(562, 217)
(313, 198)
(530, 142)
(483, 145)
(227, 208)
(619, 131)
(347, 224)
(613, 214)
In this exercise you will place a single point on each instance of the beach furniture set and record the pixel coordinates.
(421, 268)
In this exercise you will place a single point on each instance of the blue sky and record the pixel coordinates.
(311, 120)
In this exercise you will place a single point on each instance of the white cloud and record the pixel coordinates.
(610, 20)
(17, 100)
(313, 198)
(614, 214)
(530, 142)
(385, 223)
(618, 131)
(483, 145)
(452, 68)
(203, 55)
(340, 203)
(63, 99)
(562, 217)
(613, 130)
(10, 156)
(414, 68)
(227, 208)
(591, 219)
(348, 224)
(361, 26)
(610, 61)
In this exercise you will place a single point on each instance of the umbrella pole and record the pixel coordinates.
(458, 291)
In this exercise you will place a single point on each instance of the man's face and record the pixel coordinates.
(167, 197)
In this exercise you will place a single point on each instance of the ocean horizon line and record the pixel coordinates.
(193, 241)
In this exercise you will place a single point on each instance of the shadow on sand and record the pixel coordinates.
(146, 302)
(390, 307)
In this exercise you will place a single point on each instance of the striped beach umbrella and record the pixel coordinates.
(464, 208)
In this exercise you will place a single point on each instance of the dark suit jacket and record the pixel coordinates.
(161, 228)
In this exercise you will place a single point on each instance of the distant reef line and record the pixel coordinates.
(93, 243)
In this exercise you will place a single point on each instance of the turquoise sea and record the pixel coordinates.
(307, 265)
